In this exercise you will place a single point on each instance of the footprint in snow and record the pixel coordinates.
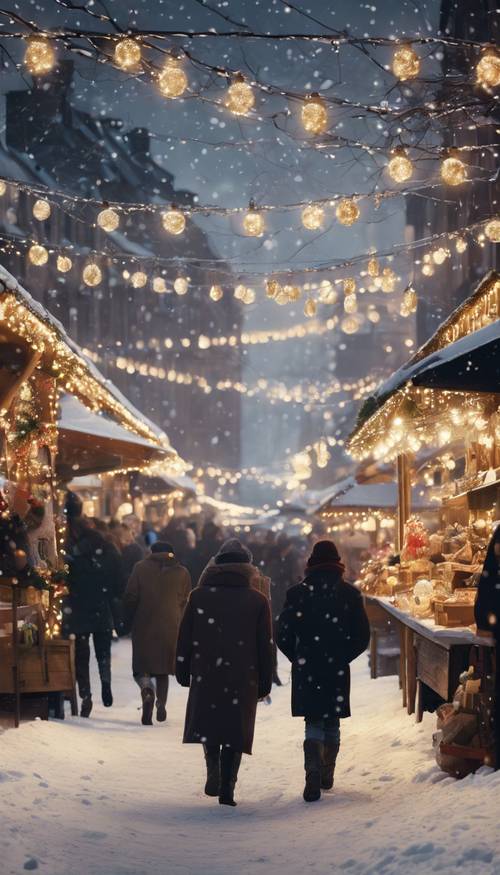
(10, 776)
(386, 778)
(31, 863)
(94, 834)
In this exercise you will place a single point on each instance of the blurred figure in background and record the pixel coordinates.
(155, 598)
(285, 570)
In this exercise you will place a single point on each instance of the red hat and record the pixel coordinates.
(323, 552)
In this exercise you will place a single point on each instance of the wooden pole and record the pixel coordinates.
(404, 498)
(15, 658)
(22, 377)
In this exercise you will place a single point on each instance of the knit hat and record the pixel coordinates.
(323, 552)
(162, 547)
(233, 551)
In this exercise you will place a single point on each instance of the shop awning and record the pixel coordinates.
(471, 363)
(373, 496)
(90, 443)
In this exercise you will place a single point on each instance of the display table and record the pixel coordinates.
(431, 657)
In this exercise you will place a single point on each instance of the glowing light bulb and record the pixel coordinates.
(92, 274)
(349, 286)
(440, 255)
(127, 54)
(410, 300)
(310, 308)
(314, 115)
(3, 187)
(108, 220)
(180, 285)
(347, 211)
(41, 210)
(273, 288)
(488, 70)
(405, 63)
(240, 99)
(453, 171)
(253, 223)
(373, 267)
(216, 293)
(460, 244)
(159, 285)
(139, 279)
(174, 221)
(64, 264)
(350, 325)
(400, 168)
(492, 231)
(40, 56)
(313, 217)
(373, 316)
(172, 80)
(38, 255)
(350, 304)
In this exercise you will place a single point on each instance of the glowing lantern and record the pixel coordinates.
(174, 221)
(253, 222)
(240, 97)
(453, 171)
(40, 56)
(108, 220)
(405, 63)
(488, 70)
(127, 54)
(347, 211)
(313, 217)
(64, 264)
(216, 293)
(180, 285)
(38, 255)
(139, 279)
(172, 81)
(314, 115)
(41, 210)
(92, 274)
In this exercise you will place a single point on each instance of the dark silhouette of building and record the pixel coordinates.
(50, 141)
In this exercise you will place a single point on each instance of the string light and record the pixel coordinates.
(492, 231)
(216, 293)
(453, 171)
(273, 289)
(174, 221)
(405, 63)
(310, 308)
(373, 267)
(41, 210)
(159, 285)
(40, 56)
(460, 245)
(313, 217)
(347, 212)
(108, 220)
(350, 325)
(172, 80)
(400, 168)
(374, 316)
(92, 274)
(240, 99)
(440, 255)
(349, 285)
(314, 115)
(139, 279)
(488, 70)
(410, 302)
(38, 255)
(181, 285)
(127, 54)
(253, 222)
(350, 304)
(64, 263)
(3, 187)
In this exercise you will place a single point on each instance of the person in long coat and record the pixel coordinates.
(487, 614)
(95, 586)
(322, 628)
(224, 654)
(154, 602)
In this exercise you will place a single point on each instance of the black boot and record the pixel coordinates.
(107, 695)
(229, 764)
(86, 706)
(313, 751)
(212, 759)
(276, 679)
(330, 753)
(148, 700)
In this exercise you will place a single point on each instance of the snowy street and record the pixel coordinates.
(107, 796)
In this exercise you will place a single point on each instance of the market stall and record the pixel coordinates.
(38, 364)
(428, 585)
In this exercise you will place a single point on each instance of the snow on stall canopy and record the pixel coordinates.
(471, 363)
(107, 391)
(373, 496)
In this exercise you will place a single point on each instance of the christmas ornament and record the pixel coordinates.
(405, 63)
(108, 220)
(92, 274)
(128, 54)
(314, 115)
(347, 211)
(174, 221)
(64, 263)
(239, 98)
(453, 171)
(38, 255)
(313, 217)
(172, 81)
(41, 210)
(40, 56)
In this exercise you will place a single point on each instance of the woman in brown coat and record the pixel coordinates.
(224, 653)
(154, 601)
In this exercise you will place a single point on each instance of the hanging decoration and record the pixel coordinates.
(405, 63)
(313, 217)
(181, 285)
(240, 99)
(108, 220)
(347, 212)
(139, 279)
(492, 231)
(174, 221)
(92, 275)
(39, 57)
(310, 308)
(172, 80)
(409, 302)
(400, 168)
(453, 171)
(127, 54)
(488, 70)
(41, 210)
(38, 255)
(216, 293)
(159, 285)
(314, 115)
(253, 222)
(64, 264)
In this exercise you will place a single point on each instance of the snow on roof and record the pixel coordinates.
(109, 393)
(74, 416)
(374, 496)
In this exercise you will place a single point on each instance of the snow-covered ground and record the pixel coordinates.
(107, 796)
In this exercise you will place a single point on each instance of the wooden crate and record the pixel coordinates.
(50, 668)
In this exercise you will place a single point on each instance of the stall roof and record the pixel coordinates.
(373, 496)
(471, 363)
(74, 416)
(487, 291)
(30, 321)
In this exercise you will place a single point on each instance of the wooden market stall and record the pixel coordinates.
(446, 397)
(38, 364)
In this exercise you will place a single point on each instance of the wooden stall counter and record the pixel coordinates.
(431, 657)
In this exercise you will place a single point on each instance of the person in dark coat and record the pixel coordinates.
(95, 583)
(285, 569)
(224, 654)
(154, 603)
(487, 614)
(322, 628)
